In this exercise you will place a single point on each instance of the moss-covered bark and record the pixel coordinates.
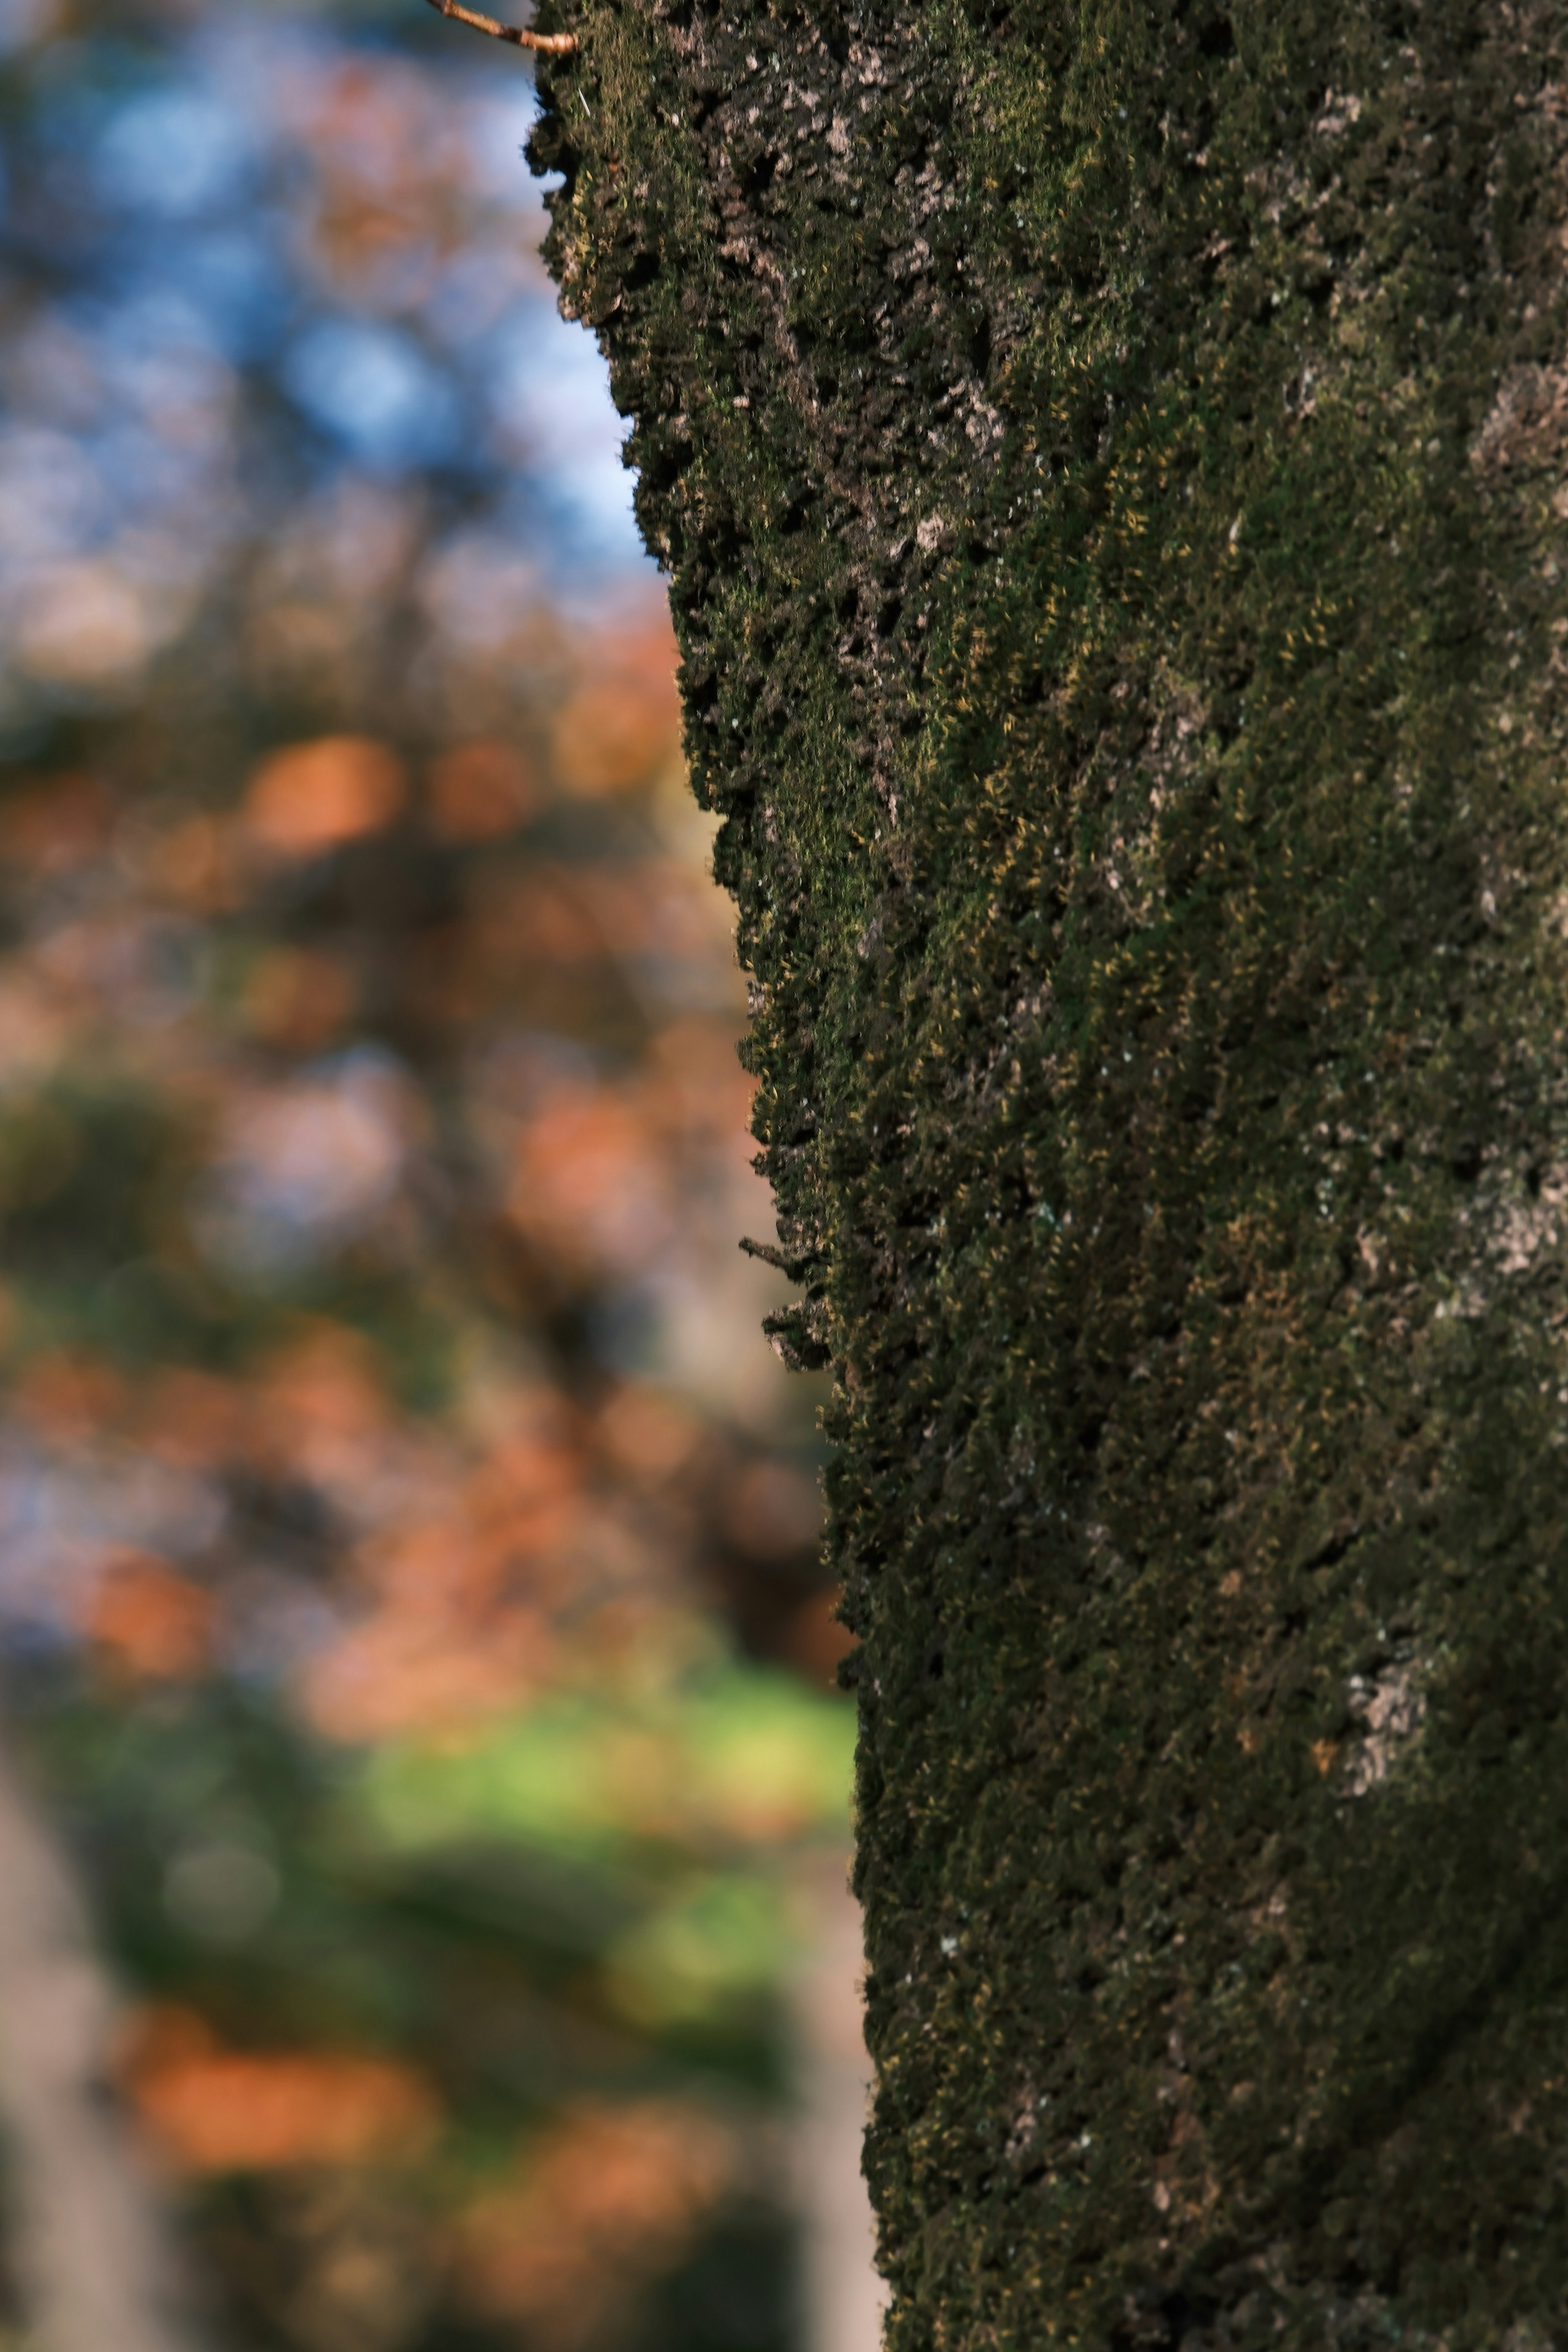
(1109, 457)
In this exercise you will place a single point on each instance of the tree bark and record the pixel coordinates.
(1110, 462)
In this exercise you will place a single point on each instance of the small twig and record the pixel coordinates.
(553, 44)
(768, 1253)
(796, 1265)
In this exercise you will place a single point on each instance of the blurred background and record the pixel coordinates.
(423, 1787)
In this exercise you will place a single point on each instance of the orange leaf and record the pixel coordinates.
(213, 2110)
(314, 796)
(154, 1624)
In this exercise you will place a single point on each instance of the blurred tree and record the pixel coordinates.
(1110, 464)
(409, 1581)
(91, 2251)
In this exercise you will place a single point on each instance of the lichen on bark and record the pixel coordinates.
(1110, 463)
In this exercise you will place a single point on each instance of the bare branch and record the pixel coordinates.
(553, 44)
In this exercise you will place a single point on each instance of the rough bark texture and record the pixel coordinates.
(1109, 460)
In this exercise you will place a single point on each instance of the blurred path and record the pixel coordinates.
(92, 2250)
(844, 2295)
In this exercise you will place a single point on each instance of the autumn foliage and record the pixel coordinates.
(409, 1549)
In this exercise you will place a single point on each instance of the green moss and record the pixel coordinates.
(1109, 516)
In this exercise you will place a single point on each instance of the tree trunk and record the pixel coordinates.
(841, 2300)
(1109, 461)
(94, 2246)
